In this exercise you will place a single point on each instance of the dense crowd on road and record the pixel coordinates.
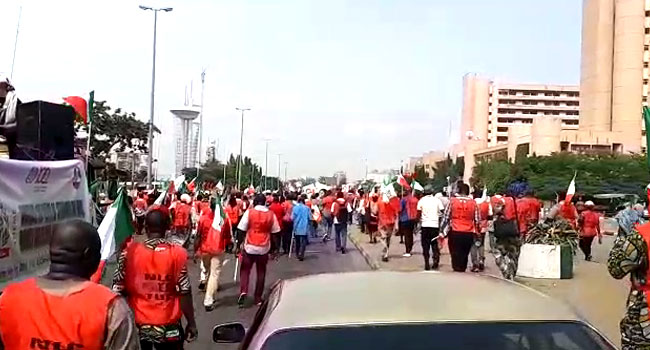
(256, 228)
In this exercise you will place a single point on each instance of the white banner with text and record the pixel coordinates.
(34, 197)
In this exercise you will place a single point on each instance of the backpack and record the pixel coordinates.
(342, 215)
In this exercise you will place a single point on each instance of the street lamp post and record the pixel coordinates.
(279, 164)
(153, 89)
(286, 164)
(241, 144)
(266, 163)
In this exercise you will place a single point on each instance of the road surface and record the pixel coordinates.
(320, 258)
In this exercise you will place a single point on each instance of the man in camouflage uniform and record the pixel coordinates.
(505, 249)
(630, 256)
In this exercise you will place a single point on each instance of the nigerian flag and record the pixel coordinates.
(114, 229)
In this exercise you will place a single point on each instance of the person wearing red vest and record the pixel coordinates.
(388, 215)
(63, 309)
(462, 220)
(153, 277)
(408, 219)
(477, 252)
(182, 216)
(276, 239)
(589, 227)
(286, 226)
(212, 239)
(327, 214)
(528, 209)
(259, 223)
(140, 208)
(630, 255)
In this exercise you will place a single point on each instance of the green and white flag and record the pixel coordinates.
(116, 226)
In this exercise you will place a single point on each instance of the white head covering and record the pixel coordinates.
(186, 198)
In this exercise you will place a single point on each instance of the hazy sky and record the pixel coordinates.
(331, 81)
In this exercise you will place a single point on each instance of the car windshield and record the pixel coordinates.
(465, 336)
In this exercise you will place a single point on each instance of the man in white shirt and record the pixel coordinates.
(430, 209)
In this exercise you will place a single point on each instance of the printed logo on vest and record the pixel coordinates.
(44, 344)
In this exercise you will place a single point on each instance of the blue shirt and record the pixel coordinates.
(300, 215)
(403, 212)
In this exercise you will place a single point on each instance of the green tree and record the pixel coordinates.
(420, 175)
(115, 129)
(549, 175)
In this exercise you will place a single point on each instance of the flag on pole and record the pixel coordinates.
(171, 189)
(571, 190)
(646, 119)
(416, 186)
(192, 185)
(79, 105)
(114, 230)
(402, 182)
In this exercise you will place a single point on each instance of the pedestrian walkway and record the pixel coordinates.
(592, 292)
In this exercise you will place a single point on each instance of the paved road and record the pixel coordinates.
(320, 258)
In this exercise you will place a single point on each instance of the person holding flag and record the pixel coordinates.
(213, 236)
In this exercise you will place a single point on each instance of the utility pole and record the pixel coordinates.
(241, 145)
(279, 163)
(198, 167)
(13, 60)
(286, 164)
(266, 163)
(153, 89)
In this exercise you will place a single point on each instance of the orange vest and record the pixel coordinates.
(213, 241)
(260, 224)
(150, 280)
(590, 223)
(509, 210)
(182, 215)
(484, 212)
(232, 213)
(34, 319)
(568, 212)
(462, 215)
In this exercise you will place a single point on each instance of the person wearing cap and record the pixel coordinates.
(589, 227)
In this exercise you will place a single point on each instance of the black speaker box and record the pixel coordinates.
(44, 131)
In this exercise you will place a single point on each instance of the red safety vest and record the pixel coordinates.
(568, 212)
(590, 223)
(213, 241)
(34, 319)
(509, 210)
(484, 212)
(151, 276)
(182, 214)
(462, 215)
(260, 224)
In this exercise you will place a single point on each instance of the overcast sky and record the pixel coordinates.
(332, 82)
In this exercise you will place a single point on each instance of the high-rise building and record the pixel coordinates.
(614, 70)
(186, 138)
(490, 108)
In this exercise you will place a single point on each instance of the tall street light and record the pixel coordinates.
(266, 162)
(153, 89)
(279, 165)
(241, 144)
